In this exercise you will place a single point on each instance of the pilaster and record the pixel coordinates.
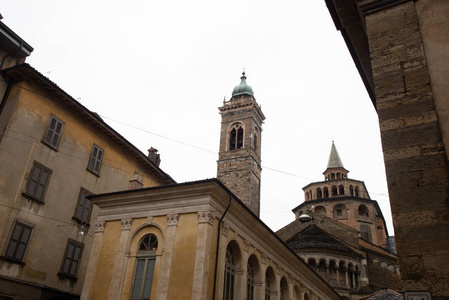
(114, 289)
(167, 257)
(203, 248)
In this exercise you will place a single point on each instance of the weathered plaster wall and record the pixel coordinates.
(29, 108)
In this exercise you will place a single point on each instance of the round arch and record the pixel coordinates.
(270, 283)
(284, 290)
(321, 210)
(235, 136)
(253, 278)
(340, 211)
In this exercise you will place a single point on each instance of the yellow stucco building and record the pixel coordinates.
(54, 152)
(194, 240)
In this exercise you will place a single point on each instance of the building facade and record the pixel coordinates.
(346, 240)
(192, 240)
(205, 243)
(53, 154)
(401, 50)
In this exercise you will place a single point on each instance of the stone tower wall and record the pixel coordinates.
(240, 169)
(408, 45)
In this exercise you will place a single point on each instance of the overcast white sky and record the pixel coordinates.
(157, 71)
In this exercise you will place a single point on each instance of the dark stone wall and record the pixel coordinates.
(415, 156)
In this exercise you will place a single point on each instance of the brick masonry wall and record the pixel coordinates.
(415, 156)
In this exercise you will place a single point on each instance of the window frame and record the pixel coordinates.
(76, 245)
(81, 219)
(236, 137)
(147, 253)
(37, 182)
(93, 160)
(48, 141)
(18, 241)
(250, 281)
(229, 275)
(267, 287)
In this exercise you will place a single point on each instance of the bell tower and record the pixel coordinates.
(239, 160)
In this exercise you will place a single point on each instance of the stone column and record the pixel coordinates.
(364, 281)
(346, 277)
(290, 287)
(167, 257)
(93, 258)
(114, 288)
(338, 276)
(203, 248)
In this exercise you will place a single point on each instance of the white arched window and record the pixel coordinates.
(267, 287)
(229, 275)
(144, 270)
(236, 137)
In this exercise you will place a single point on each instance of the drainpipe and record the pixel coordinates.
(218, 245)
(6, 94)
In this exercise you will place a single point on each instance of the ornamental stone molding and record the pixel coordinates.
(172, 219)
(127, 223)
(290, 279)
(238, 272)
(246, 244)
(99, 226)
(264, 259)
(206, 217)
(225, 229)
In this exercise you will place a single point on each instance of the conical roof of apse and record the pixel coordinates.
(242, 88)
(334, 158)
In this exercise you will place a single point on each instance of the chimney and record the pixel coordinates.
(154, 157)
(136, 182)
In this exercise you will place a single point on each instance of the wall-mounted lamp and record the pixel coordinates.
(82, 229)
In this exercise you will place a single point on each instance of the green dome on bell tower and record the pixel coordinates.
(242, 88)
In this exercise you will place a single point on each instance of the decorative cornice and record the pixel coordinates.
(246, 244)
(127, 223)
(367, 7)
(251, 104)
(172, 219)
(99, 226)
(206, 217)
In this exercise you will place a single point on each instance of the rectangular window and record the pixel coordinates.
(38, 180)
(143, 278)
(95, 160)
(72, 258)
(18, 242)
(84, 207)
(365, 232)
(53, 134)
(339, 212)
